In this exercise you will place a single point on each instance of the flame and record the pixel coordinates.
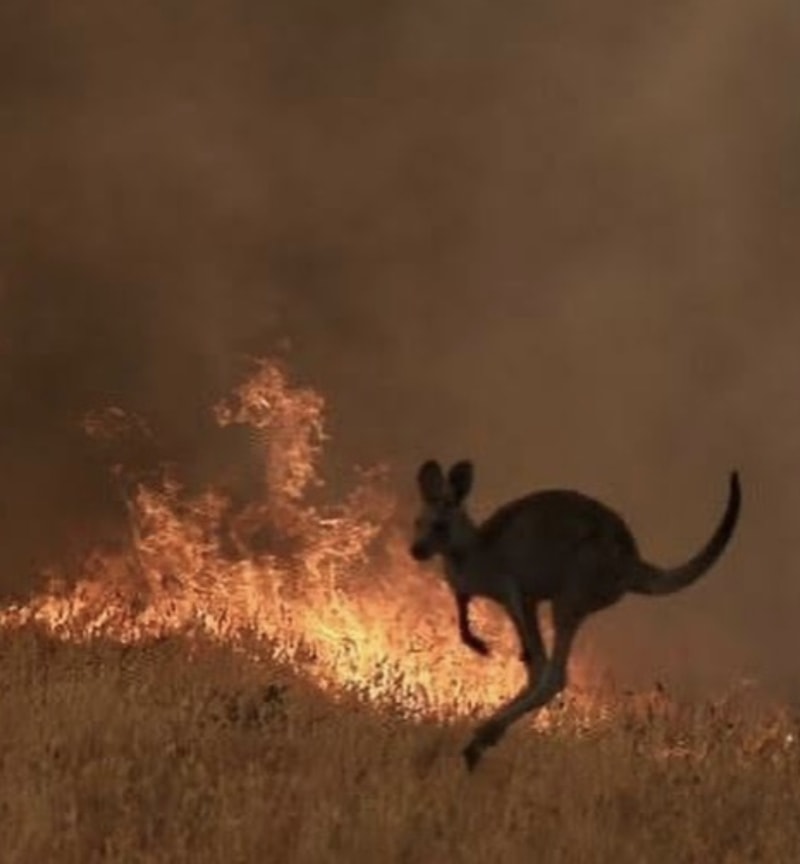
(326, 588)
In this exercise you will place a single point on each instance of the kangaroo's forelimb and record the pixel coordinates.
(469, 638)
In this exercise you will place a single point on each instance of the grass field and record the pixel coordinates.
(134, 754)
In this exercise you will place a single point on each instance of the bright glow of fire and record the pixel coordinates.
(329, 588)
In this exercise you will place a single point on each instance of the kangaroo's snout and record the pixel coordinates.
(420, 551)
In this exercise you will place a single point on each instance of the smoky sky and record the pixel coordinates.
(558, 238)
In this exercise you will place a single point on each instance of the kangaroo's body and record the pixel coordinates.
(557, 530)
(554, 545)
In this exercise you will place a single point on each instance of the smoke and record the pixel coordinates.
(557, 239)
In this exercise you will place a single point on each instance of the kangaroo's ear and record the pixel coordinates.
(430, 479)
(460, 478)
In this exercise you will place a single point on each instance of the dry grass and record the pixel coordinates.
(140, 754)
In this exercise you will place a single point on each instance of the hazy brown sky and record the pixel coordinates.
(559, 238)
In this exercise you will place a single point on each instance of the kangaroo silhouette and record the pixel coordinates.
(553, 545)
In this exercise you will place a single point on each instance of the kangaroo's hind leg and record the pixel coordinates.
(552, 681)
(525, 617)
(567, 620)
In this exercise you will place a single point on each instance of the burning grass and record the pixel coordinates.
(153, 752)
(329, 586)
(274, 681)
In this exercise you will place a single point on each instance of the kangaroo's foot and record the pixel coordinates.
(486, 735)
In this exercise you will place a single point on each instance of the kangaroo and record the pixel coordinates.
(553, 545)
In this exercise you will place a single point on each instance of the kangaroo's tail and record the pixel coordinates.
(650, 579)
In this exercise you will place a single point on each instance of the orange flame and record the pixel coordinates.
(329, 588)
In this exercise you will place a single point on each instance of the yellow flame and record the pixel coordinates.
(331, 589)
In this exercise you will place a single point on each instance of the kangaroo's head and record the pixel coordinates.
(443, 525)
